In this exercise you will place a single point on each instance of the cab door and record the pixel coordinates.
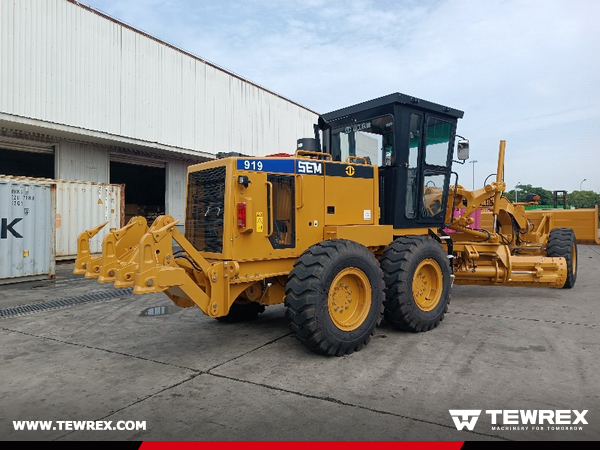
(424, 170)
(436, 164)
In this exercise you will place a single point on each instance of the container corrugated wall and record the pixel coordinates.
(27, 225)
(87, 71)
(83, 205)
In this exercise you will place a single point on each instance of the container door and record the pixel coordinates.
(26, 230)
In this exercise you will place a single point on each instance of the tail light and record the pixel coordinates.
(241, 214)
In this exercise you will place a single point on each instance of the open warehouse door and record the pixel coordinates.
(26, 161)
(145, 184)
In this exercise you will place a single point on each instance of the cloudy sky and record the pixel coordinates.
(525, 71)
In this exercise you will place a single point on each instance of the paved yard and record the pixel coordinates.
(106, 355)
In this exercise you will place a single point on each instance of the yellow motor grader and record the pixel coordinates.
(361, 223)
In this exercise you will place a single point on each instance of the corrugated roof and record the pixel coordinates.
(191, 55)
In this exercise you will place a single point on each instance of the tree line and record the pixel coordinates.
(577, 199)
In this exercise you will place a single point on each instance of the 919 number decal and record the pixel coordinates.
(253, 165)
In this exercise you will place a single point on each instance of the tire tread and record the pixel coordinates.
(304, 291)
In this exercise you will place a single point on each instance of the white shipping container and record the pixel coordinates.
(27, 227)
(81, 205)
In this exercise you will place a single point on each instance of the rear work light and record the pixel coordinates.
(241, 215)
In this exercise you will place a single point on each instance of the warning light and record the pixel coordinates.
(241, 214)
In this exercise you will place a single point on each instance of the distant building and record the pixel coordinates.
(86, 97)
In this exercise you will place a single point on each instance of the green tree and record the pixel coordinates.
(546, 196)
(577, 199)
(510, 195)
(583, 199)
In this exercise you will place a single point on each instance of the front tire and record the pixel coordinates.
(418, 279)
(334, 297)
(562, 244)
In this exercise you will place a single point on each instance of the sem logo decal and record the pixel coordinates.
(310, 167)
(350, 171)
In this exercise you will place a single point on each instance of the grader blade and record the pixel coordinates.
(584, 222)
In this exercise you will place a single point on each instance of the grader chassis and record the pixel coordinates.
(342, 242)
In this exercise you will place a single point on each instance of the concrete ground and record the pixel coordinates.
(139, 358)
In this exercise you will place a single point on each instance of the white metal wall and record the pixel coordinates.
(176, 179)
(62, 63)
(367, 146)
(79, 161)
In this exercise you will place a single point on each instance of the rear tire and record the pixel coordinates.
(418, 279)
(562, 243)
(334, 297)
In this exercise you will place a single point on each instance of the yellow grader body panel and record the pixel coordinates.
(297, 202)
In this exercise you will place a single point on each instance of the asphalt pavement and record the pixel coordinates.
(75, 350)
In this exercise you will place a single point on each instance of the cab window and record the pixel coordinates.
(370, 139)
(438, 140)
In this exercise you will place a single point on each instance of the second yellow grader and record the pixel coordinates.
(350, 229)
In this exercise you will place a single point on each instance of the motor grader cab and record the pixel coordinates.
(348, 230)
(412, 142)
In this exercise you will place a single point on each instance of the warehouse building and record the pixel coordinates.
(86, 97)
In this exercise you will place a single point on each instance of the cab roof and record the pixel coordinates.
(396, 98)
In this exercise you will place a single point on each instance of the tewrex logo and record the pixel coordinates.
(513, 419)
(465, 418)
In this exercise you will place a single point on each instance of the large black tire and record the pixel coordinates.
(562, 243)
(334, 297)
(418, 279)
(242, 312)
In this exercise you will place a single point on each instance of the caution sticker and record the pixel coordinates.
(260, 222)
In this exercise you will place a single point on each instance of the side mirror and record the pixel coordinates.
(463, 150)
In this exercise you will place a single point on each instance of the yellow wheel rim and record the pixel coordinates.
(574, 259)
(427, 284)
(349, 299)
